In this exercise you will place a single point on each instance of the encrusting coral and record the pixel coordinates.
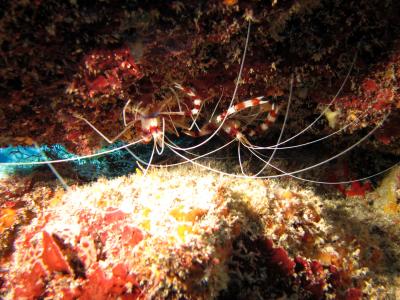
(183, 233)
(387, 196)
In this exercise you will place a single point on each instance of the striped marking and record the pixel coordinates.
(248, 103)
(220, 117)
(146, 136)
(232, 129)
(197, 105)
(241, 106)
(270, 119)
(154, 129)
(197, 102)
(196, 99)
(264, 127)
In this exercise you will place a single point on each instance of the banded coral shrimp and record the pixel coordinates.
(235, 123)
(235, 133)
(154, 123)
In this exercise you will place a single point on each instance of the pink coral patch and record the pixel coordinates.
(30, 285)
(280, 258)
(369, 86)
(52, 256)
(358, 189)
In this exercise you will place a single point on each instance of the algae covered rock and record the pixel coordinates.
(185, 233)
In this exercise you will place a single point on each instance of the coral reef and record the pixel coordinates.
(387, 196)
(63, 59)
(185, 233)
(68, 71)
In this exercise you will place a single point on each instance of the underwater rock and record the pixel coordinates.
(155, 71)
(89, 60)
(183, 233)
(387, 196)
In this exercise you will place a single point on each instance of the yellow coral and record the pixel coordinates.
(183, 230)
(8, 216)
(186, 216)
(332, 116)
(387, 193)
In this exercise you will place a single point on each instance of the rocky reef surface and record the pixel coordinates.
(68, 67)
(185, 233)
(66, 59)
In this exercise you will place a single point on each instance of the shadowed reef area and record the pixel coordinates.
(63, 59)
(302, 94)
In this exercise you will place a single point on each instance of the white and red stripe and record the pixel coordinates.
(232, 127)
(271, 118)
(196, 99)
(241, 106)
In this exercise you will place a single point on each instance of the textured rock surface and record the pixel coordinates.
(199, 236)
(60, 59)
(148, 236)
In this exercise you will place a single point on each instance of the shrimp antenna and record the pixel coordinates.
(310, 142)
(256, 154)
(159, 152)
(233, 96)
(282, 129)
(296, 171)
(128, 125)
(59, 177)
(323, 112)
(124, 112)
(150, 159)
